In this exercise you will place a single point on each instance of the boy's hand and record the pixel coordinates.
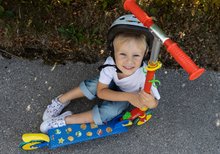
(143, 99)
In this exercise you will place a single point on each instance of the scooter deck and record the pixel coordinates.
(76, 133)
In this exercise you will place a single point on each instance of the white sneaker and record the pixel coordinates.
(58, 121)
(54, 109)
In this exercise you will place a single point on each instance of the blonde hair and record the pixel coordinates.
(124, 37)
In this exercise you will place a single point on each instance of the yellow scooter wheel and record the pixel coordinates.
(29, 145)
(147, 118)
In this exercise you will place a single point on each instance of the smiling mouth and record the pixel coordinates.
(128, 68)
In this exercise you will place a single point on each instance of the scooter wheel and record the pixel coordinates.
(135, 121)
(29, 145)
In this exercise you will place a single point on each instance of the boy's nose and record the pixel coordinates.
(129, 60)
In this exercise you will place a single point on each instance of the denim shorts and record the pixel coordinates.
(107, 110)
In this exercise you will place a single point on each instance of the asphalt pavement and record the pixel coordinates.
(187, 120)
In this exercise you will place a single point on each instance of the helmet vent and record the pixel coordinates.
(133, 21)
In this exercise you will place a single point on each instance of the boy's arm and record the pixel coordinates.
(105, 93)
(139, 100)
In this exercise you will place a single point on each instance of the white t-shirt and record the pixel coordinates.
(132, 83)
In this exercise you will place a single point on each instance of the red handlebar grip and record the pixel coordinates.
(188, 65)
(130, 5)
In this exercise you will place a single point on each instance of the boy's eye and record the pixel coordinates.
(136, 55)
(123, 54)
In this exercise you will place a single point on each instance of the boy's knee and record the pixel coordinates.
(89, 88)
(108, 115)
(111, 110)
(103, 114)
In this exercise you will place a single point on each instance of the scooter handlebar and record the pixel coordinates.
(187, 64)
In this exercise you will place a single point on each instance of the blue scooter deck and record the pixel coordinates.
(75, 133)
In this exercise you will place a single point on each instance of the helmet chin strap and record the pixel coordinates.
(107, 65)
(113, 56)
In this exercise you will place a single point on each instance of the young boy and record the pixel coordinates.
(120, 83)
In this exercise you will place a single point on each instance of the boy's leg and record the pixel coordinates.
(70, 95)
(84, 117)
(86, 88)
(99, 114)
(57, 105)
(107, 111)
(66, 118)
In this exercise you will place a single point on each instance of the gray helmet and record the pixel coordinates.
(128, 24)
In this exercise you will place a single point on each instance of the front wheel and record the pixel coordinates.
(139, 122)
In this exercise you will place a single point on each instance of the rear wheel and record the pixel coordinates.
(29, 145)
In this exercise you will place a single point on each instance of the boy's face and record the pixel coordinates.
(129, 55)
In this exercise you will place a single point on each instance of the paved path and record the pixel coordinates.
(187, 120)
